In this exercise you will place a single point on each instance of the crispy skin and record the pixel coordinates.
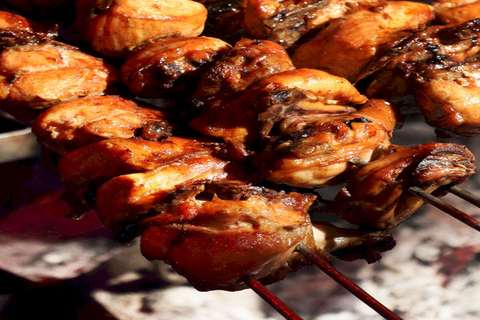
(216, 237)
(170, 65)
(456, 11)
(85, 169)
(286, 21)
(440, 68)
(376, 196)
(73, 124)
(115, 27)
(351, 43)
(316, 150)
(38, 75)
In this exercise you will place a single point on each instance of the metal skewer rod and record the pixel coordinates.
(442, 205)
(271, 299)
(465, 195)
(347, 284)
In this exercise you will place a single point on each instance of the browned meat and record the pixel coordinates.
(223, 232)
(440, 68)
(15, 30)
(85, 169)
(286, 21)
(377, 195)
(456, 11)
(73, 124)
(349, 44)
(115, 27)
(316, 150)
(36, 76)
(170, 65)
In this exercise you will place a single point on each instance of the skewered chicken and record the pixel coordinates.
(349, 44)
(439, 66)
(170, 65)
(36, 76)
(73, 124)
(316, 150)
(115, 27)
(225, 231)
(285, 21)
(456, 11)
(377, 195)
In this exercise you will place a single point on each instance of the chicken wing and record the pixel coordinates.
(377, 195)
(349, 44)
(73, 124)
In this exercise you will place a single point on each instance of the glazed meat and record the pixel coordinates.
(170, 65)
(73, 124)
(16, 30)
(456, 11)
(349, 44)
(440, 68)
(223, 232)
(286, 21)
(36, 76)
(377, 195)
(115, 27)
(316, 150)
(85, 169)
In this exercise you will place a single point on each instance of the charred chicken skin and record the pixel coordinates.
(315, 150)
(440, 68)
(15, 30)
(377, 195)
(349, 44)
(73, 124)
(36, 76)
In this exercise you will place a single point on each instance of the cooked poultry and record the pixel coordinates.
(456, 11)
(316, 150)
(377, 195)
(73, 124)
(224, 231)
(286, 21)
(170, 65)
(15, 30)
(115, 27)
(36, 76)
(349, 44)
(439, 66)
(83, 170)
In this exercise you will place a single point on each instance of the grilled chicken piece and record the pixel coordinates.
(223, 232)
(377, 195)
(73, 124)
(349, 44)
(315, 150)
(286, 21)
(246, 63)
(115, 27)
(36, 76)
(440, 68)
(170, 65)
(16, 30)
(456, 11)
(85, 169)
(128, 198)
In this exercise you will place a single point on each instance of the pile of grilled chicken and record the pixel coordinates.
(208, 127)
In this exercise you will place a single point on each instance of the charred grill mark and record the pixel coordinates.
(356, 120)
